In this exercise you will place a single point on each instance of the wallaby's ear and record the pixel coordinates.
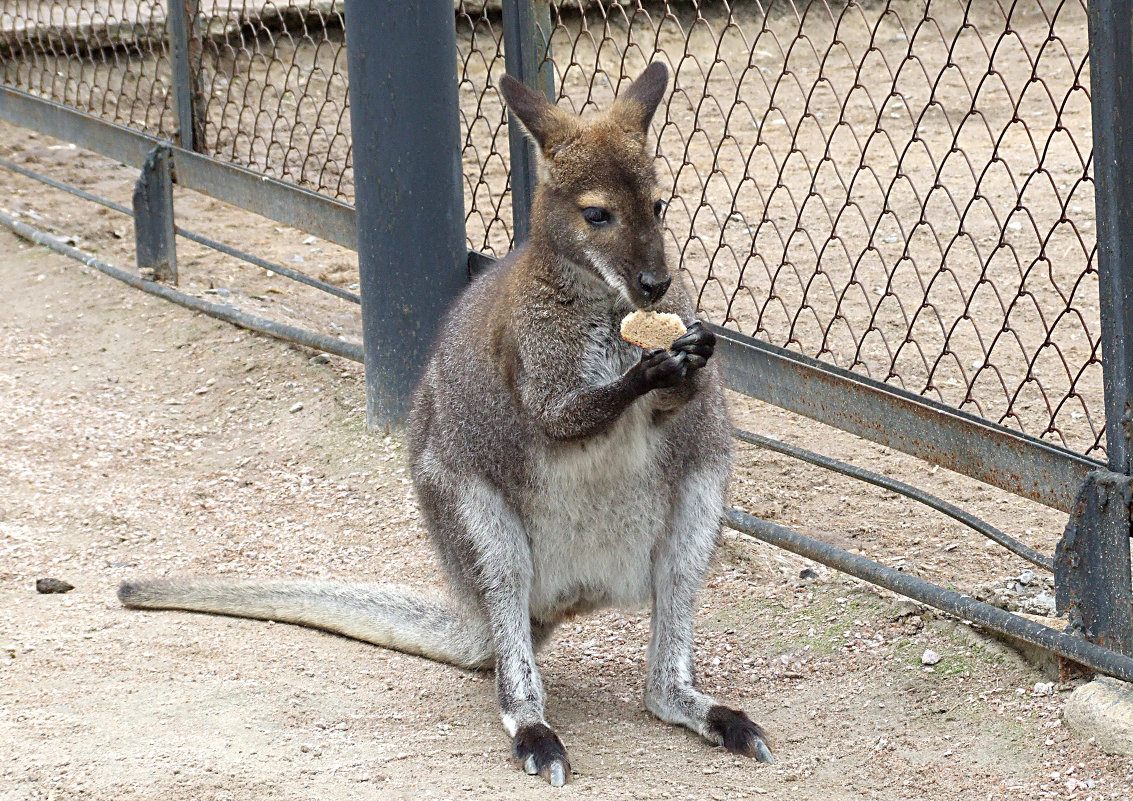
(547, 124)
(635, 107)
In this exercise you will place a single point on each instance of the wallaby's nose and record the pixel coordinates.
(652, 285)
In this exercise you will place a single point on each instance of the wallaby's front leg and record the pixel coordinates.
(679, 566)
(586, 412)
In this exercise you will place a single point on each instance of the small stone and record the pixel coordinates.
(808, 573)
(47, 586)
(1042, 604)
(319, 359)
(930, 657)
(296, 407)
(1026, 577)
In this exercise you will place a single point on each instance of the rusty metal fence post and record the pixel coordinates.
(184, 54)
(525, 23)
(408, 191)
(1093, 558)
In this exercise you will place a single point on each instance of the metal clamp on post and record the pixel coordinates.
(1091, 563)
(154, 232)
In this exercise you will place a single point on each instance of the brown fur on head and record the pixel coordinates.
(597, 206)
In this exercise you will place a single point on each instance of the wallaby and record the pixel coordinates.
(559, 468)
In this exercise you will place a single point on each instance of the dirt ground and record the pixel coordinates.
(141, 439)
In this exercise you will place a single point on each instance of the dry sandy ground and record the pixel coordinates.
(140, 439)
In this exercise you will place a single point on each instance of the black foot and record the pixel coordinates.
(537, 749)
(738, 733)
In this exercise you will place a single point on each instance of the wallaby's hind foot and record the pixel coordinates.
(538, 750)
(686, 706)
(738, 733)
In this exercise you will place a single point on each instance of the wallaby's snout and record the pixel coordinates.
(653, 285)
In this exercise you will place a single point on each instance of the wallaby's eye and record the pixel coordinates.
(658, 208)
(596, 215)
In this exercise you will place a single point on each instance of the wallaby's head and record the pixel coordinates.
(598, 203)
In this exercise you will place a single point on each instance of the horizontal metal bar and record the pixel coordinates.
(909, 491)
(294, 275)
(1074, 648)
(229, 314)
(69, 188)
(278, 200)
(1015, 462)
(200, 239)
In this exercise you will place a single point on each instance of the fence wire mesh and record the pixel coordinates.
(273, 89)
(487, 184)
(109, 58)
(900, 187)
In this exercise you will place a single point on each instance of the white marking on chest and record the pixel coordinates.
(599, 506)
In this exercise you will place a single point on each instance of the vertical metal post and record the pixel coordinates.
(1091, 563)
(1093, 560)
(408, 192)
(184, 52)
(527, 24)
(155, 238)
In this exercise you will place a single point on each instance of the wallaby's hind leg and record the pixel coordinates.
(679, 566)
(479, 519)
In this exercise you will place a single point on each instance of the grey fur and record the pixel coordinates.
(559, 470)
(389, 615)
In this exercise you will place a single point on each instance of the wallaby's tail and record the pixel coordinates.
(386, 615)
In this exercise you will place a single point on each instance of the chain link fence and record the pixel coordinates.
(109, 58)
(901, 188)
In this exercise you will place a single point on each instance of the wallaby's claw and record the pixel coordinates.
(538, 750)
(698, 342)
(660, 368)
(763, 753)
(558, 776)
(738, 733)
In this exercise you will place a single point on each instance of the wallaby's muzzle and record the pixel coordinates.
(652, 285)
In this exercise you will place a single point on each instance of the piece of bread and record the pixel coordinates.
(652, 329)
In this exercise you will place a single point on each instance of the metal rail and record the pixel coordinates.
(192, 236)
(940, 434)
(1065, 645)
(290, 333)
(277, 200)
(909, 491)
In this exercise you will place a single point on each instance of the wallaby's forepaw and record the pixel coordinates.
(537, 749)
(660, 369)
(738, 733)
(698, 344)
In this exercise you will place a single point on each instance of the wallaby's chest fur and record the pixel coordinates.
(596, 509)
